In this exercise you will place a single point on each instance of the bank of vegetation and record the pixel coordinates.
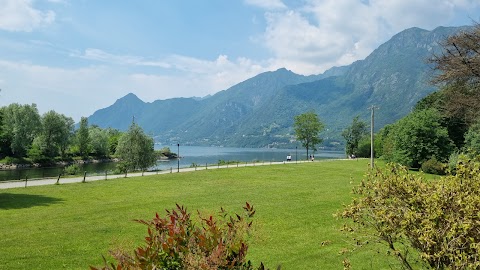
(30, 139)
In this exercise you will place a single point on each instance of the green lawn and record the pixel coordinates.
(71, 226)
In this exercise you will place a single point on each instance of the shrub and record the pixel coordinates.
(452, 162)
(121, 168)
(433, 166)
(9, 160)
(176, 242)
(434, 221)
(72, 169)
(222, 162)
(363, 149)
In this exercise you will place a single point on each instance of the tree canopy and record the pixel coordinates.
(458, 66)
(21, 124)
(136, 149)
(459, 61)
(353, 134)
(416, 138)
(307, 129)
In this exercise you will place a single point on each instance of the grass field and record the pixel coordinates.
(72, 226)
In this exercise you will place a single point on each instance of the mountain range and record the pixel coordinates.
(259, 111)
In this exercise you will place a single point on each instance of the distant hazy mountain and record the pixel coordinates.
(259, 111)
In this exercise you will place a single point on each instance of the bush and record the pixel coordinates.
(121, 168)
(433, 166)
(436, 222)
(176, 242)
(13, 160)
(364, 148)
(73, 169)
(452, 162)
(222, 162)
(9, 160)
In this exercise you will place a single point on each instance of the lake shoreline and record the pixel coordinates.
(16, 166)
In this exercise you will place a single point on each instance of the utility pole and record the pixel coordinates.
(372, 154)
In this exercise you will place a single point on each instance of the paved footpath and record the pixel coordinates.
(53, 181)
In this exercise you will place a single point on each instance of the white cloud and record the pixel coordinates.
(267, 4)
(307, 39)
(20, 15)
(102, 56)
(79, 92)
(326, 33)
(197, 77)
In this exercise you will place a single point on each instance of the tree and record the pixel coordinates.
(458, 66)
(56, 132)
(5, 140)
(98, 141)
(307, 129)
(21, 125)
(436, 222)
(459, 60)
(136, 149)
(472, 139)
(113, 136)
(416, 138)
(83, 138)
(353, 134)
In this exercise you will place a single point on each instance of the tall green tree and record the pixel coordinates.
(136, 149)
(21, 125)
(83, 138)
(472, 139)
(416, 138)
(56, 132)
(98, 141)
(353, 134)
(307, 128)
(5, 140)
(113, 136)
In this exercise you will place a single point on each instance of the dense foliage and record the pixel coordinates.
(307, 129)
(353, 134)
(136, 149)
(472, 139)
(417, 138)
(27, 136)
(434, 221)
(177, 242)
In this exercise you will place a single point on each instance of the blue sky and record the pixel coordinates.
(78, 56)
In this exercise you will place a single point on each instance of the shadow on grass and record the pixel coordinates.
(18, 201)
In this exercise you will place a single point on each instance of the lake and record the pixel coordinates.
(198, 155)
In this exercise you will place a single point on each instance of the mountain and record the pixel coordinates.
(115, 115)
(259, 112)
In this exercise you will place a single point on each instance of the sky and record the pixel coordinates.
(78, 56)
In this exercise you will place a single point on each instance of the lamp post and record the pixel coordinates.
(372, 155)
(178, 157)
(296, 154)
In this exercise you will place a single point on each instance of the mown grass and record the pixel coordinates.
(72, 226)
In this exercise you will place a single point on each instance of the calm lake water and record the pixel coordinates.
(190, 155)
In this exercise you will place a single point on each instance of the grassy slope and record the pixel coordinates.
(71, 226)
